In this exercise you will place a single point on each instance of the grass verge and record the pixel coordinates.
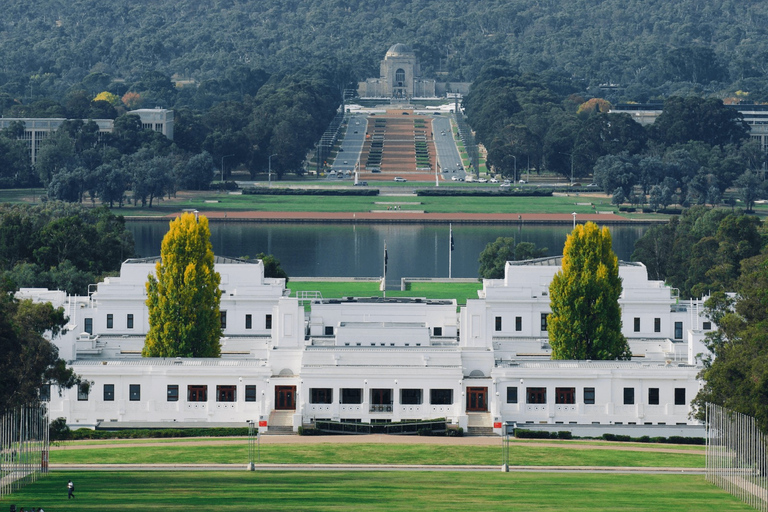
(374, 491)
(523, 454)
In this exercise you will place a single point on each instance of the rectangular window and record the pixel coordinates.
(512, 394)
(248, 322)
(680, 396)
(129, 321)
(268, 322)
(565, 395)
(110, 321)
(518, 323)
(134, 392)
(411, 396)
(498, 323)
(173, 393)
(197, 393)
(653, 396)
(657, 325)
(678, 330)
(223, 317)
(629, 396)
(536, 395)
(351, 396)
(544, 321)
(109, 392)
(707, 326)
(321, 395)
(82, 391)
(88, 327)
(381, 397)
(45, 393)
(637, 324)
(440, 396)
(437, 331)
(329, 330)
(226, 393)
(589, 396)
(250, 393)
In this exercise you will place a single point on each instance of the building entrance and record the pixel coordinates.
(477, 399)
(285, 398)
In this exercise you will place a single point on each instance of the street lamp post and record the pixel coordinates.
(270, 169)
(251, 466)
(574, 220)
(222, 165)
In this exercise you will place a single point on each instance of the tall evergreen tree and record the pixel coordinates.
(183, 300)
(585, 322)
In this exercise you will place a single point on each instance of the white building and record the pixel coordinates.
(376, 360)
(36, 130)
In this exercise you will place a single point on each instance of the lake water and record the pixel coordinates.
(357, 250)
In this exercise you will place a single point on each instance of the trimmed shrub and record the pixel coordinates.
(310, 192)
(483, 193)
(532, 434)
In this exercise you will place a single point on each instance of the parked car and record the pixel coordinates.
(482, 180)
(494, 180)
(522, 182)
(593, 185)
(361, 184)
(400, 180)
(505, 185)
(456, 178)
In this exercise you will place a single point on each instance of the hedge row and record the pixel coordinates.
(310, 192)
(483, 193)
(86, 433)
(543, 434)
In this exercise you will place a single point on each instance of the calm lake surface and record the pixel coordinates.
(357, 250)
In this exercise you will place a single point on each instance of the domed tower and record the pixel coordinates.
(398, 71)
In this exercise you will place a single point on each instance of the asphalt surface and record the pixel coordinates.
(447, 152)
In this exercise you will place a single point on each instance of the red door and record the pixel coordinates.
(285, 398)
(477, 400)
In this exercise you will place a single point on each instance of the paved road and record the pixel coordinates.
(351, 146)
(447, 153)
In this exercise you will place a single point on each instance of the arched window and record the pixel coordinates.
(400, 77)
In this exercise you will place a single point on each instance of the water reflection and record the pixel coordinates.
(349, 250)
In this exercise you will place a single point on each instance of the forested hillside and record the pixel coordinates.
(647, 47)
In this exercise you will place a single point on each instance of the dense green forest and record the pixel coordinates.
(644, 48)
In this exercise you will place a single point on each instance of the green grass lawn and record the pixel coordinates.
(459, 291)
(521, 454)
(372, 491)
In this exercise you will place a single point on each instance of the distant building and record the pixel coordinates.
(756, 116)
(376, 360)
(36, 130)
(400, 79)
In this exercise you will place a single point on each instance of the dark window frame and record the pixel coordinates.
(129, 321)
(518, 323)
(544, 317)
(535, 395)
(497, 324)
(657, 325)
(226, 393)
(83, 391)
(565, 396)
(109, 393)
(321, 395)
(511, 394)
(268, 321)
(653, 396)
(134, 392)
(197, 393)
(351, 396)
(589, 396)
(172, 393)
(110, 321)
(637, 324)
(629, 396)
(249, 321)
(250, 392)
(411, 396)
(678, 330)
(680, 396)
(441, 396)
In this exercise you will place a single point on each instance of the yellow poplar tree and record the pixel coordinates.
(183, 300)
(112, 99)
(585, 322)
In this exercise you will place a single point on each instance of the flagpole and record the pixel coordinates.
(384, 279)
(450, 249)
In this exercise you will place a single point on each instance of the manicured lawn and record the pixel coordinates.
(521, 454)
(373, 491)
(459, 291)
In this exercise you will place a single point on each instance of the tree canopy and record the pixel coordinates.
(737, 378)
(27, 359)
(496, 254)
(585, 322)
(183, 299)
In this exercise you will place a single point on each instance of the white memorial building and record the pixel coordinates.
(377, 360)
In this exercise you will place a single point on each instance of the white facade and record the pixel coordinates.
(378, 360)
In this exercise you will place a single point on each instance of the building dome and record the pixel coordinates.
(399, 49)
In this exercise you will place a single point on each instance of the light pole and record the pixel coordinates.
(574, 220)
(251, 466)
(513, 156)
(270, 169)
(222, 165)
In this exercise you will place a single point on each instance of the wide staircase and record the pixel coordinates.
(398, 145)
(280, 424)
(479, 424)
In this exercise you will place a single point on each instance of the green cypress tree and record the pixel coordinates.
(586, 317)
(183, 300)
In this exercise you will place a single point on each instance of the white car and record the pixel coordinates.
(494, 180)
(482, 180)
(522, 182)
(400, 180)
(457, 178)
(505, 185)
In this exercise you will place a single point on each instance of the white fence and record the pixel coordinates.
(736, 456)
(24, 447)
